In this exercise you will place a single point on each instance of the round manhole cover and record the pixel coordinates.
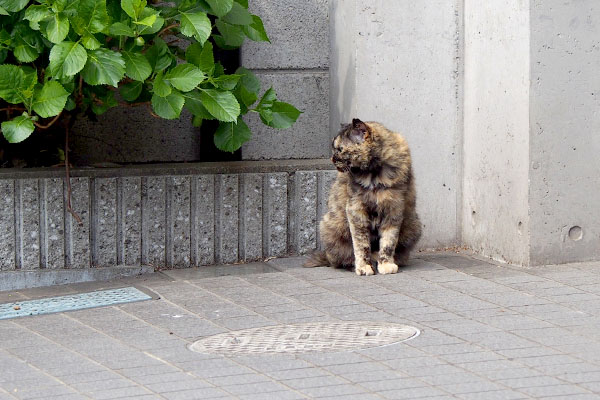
(302, 338)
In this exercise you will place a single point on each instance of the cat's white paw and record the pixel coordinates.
(387, 268)
(364, 269)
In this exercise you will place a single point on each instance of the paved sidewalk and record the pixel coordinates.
(487, 332)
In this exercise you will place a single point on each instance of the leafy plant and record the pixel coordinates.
(68, 56)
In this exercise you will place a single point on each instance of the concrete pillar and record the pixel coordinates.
(499, 103)
(398, 63)
(532, 175)
(495, 208)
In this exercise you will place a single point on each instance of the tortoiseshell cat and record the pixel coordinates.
(371, 203)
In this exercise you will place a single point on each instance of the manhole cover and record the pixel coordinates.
(303, 338)
(49, 305)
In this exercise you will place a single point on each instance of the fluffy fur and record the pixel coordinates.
(371, 210)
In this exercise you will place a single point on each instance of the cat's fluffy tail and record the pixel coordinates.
(316, 259)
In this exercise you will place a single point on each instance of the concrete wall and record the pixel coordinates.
(495, 209)
(399, 63)
(565, 168)
(296, 64)
(161, 216)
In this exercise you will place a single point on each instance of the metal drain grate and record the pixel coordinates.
(303, 338)
(73, 302)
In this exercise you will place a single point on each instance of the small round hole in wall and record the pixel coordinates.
(576, 233)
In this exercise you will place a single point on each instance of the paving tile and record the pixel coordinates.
(553, 390)
(317, 381)
(283, 395)
(193, 394)
(253, 388)
(412, 393)
(336, 390)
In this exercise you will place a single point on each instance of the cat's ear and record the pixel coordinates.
(360, 131)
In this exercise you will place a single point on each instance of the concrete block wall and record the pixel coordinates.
(295, 63)
(161, 216)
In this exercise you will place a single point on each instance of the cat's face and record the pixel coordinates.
(351, 147)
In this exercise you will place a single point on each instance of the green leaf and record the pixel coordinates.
(238, 15)
(220, 7)
(58, 5)
(227, 82)
(283, 115)
(13, 5)
(267, 100)
(197, 121)
(70, 106)
(121, 29)
(230, 136)
(133, 8)
(248, 88)
(12, 83)
(137, 66)
(28, 44)
(50, 99)
(158, 55)
(243, 3)
(201, 56)
(185, 77)
(193, 103)
(37, 13)
(67, 59)
(90, 42)
(104, 67)
(148, 21)
(18, 129)
(232, 35)
(107, 101)
(131, 91)
(161, 87)
(168, 107)
(3, 11)
(57, 28)
(91, 17)
(25, 53)
(256, 30)
(154, 27)
(221, 105)
(5, 38)
(195, 25)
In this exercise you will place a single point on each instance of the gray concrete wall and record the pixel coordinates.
(495, 209)
(295, 63)
(399, 63)
(565, 99)
(162, 216)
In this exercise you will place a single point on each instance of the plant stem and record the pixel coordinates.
(49, 124)
(69, 208)
(167, 28)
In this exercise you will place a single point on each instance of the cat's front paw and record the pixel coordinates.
(387, 268)
(364, 269)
